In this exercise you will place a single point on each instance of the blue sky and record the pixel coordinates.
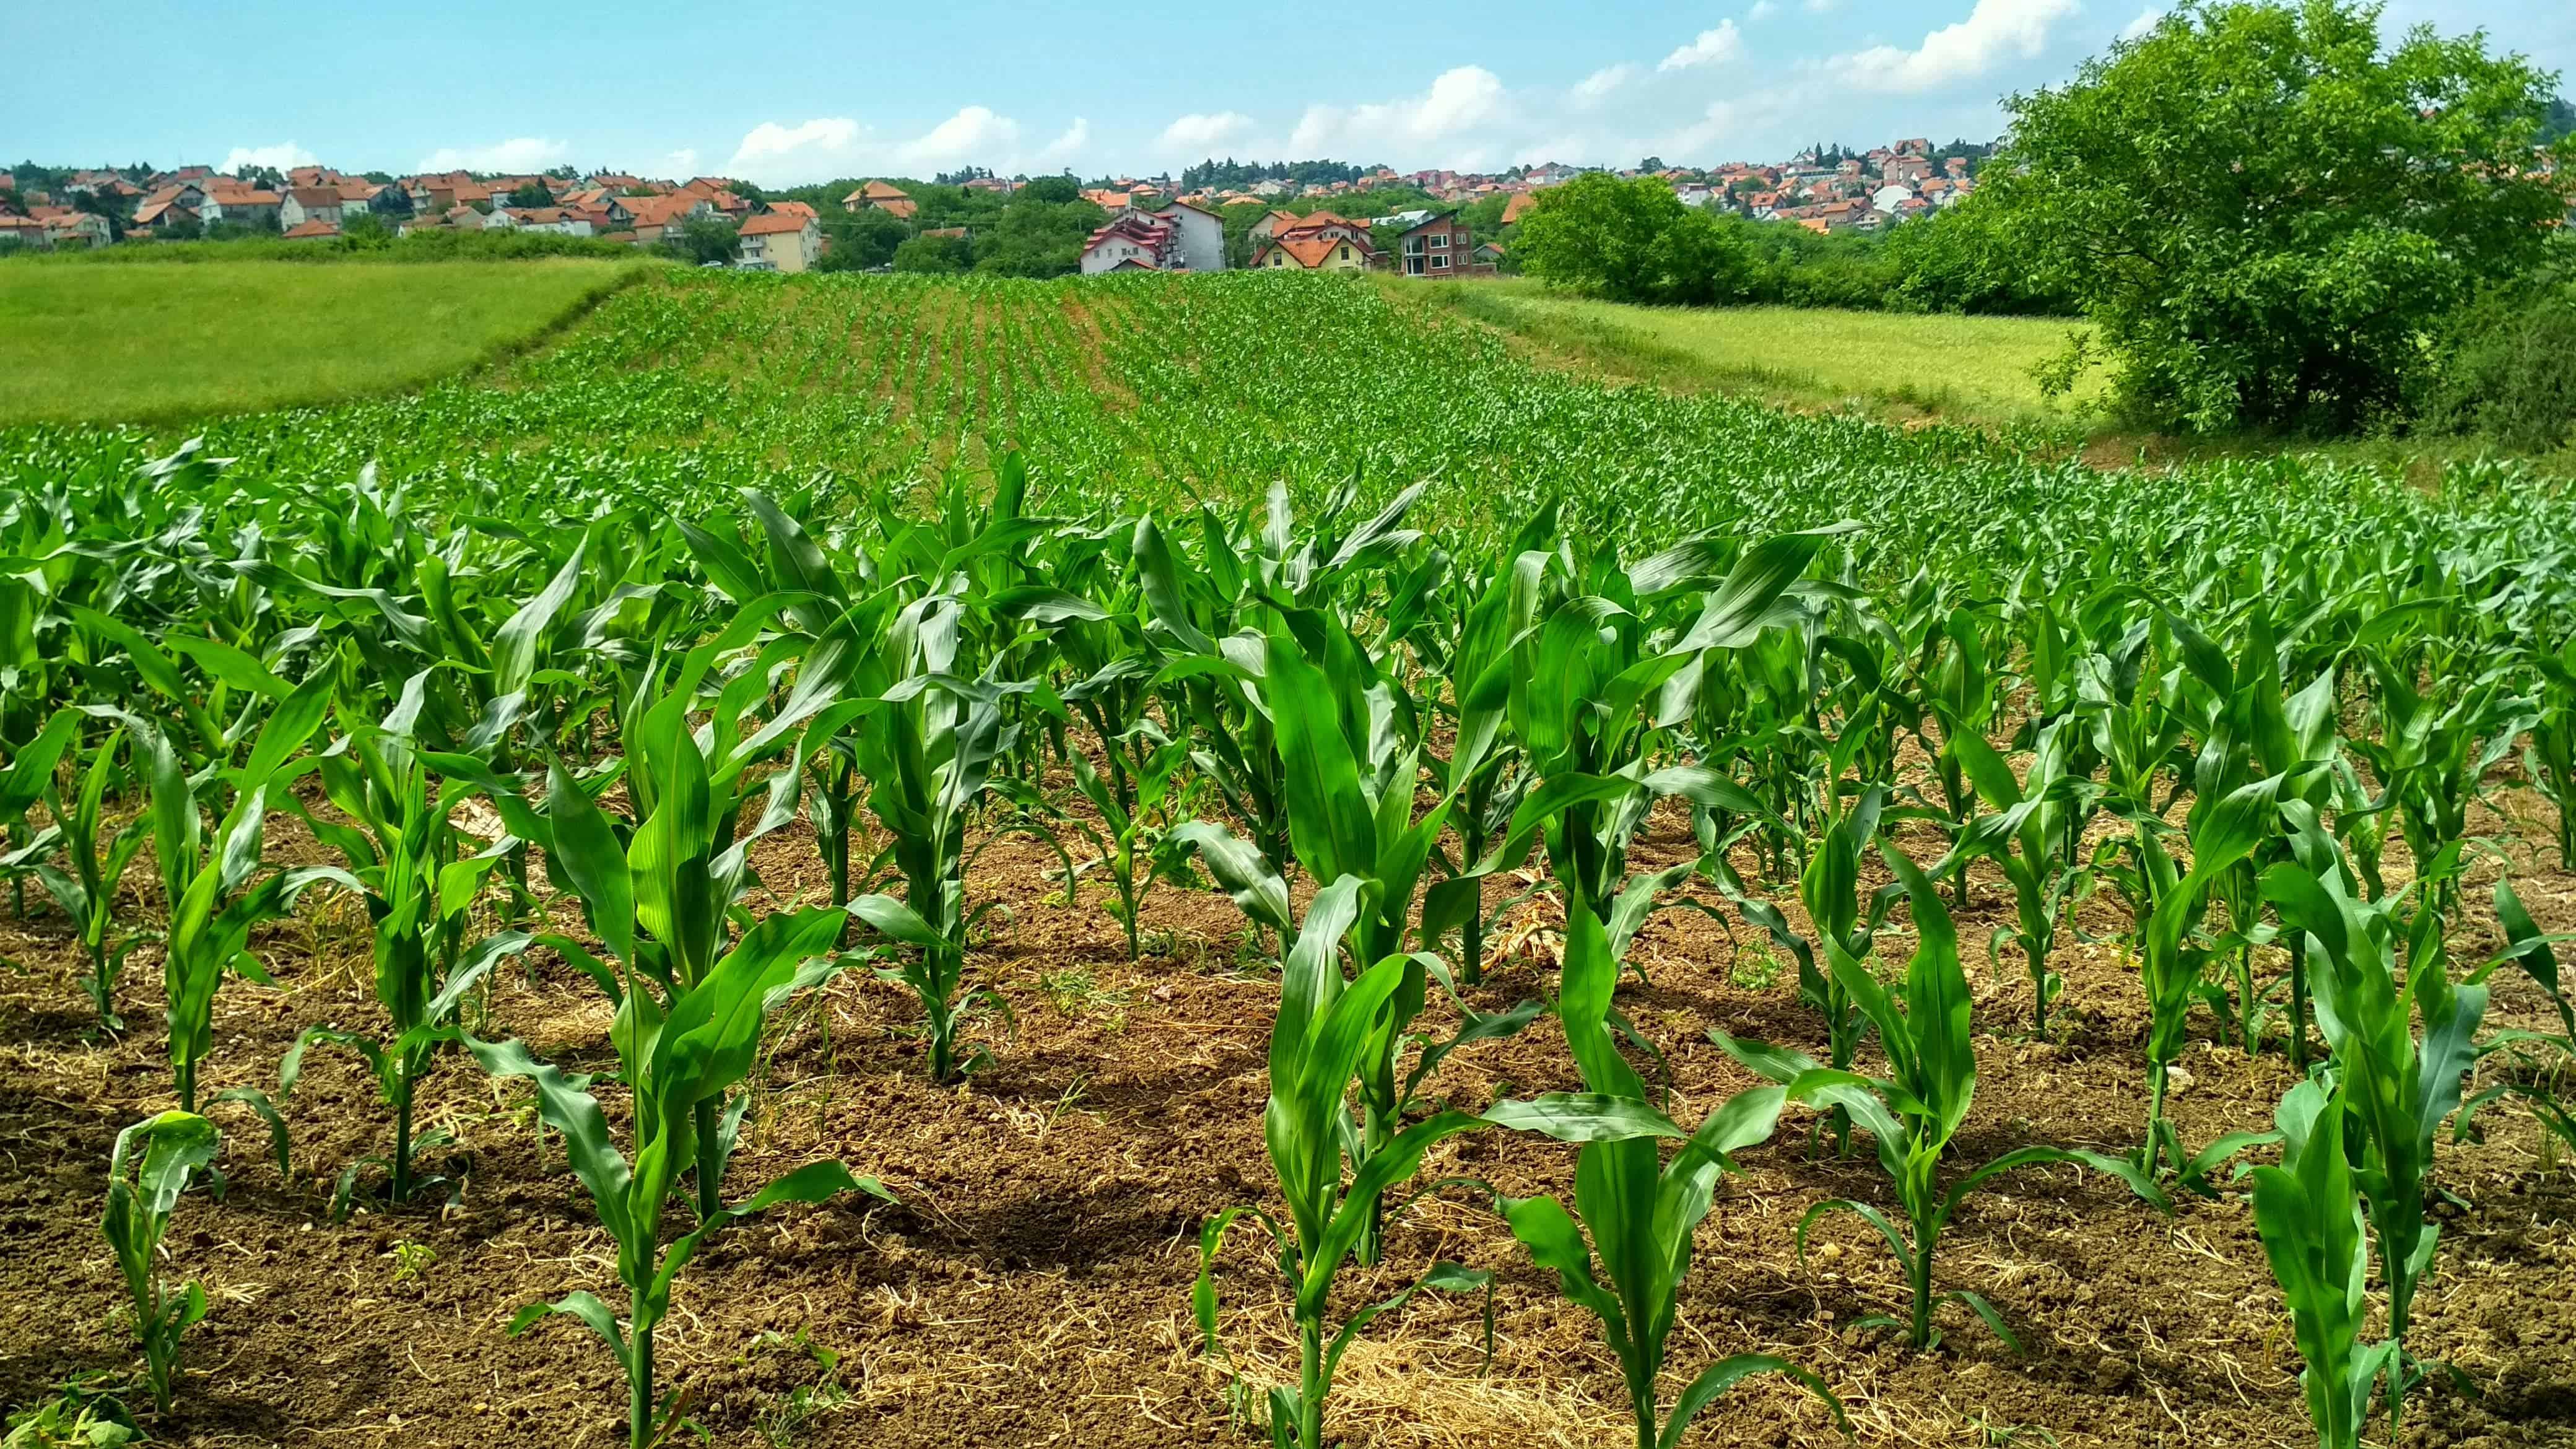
(789, 92)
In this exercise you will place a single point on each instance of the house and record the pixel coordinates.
(654, 215)
(538, 218)
(600, 202)
(1313, 250)
(795, 208)
(1133, 241)
(183, 198)
(65, 227)
(301, 204)
(779, 241)
(994, 184)
(1519, 206)
(1201, 233)
(1435, 248)
(1693, 194)
(386, 201)
(28, 232)
(316, 229)
(1488, 254)
(880, 196)
(242, 205)
(1886, 198)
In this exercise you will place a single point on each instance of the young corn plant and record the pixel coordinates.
(87, 891)
(1132, 824)
(2399, 1086)
(1316, 1047)
(2173, 964)
(1845, 924)
(212, 899)
(928, 755)
(696, 1052)
(2308, 1212)
(404, 862)
(1637, 1211)
(1346, 821)
(1913, 1112)
(2026, 836)
(2549, 750)
(2545, 1057)
(27, 779)
(146, 1174)
(1579, 685)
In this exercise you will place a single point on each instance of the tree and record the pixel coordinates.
(860, 241)
(706, 239)
(532, 193)
(936, 254)
(364, 228)
(1037, 238)
(2265, 214)
(1632, 241)
(1055, 190)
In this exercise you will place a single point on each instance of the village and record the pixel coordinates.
(1152, 223)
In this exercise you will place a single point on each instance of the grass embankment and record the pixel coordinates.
(1898, 366)
(164, 342)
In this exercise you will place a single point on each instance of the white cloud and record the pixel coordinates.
(518, 154)
(1994, 32)
(1819, 7)
(779, 154)
(284, 156)
(2145, 22)
(1067, 146)
(974, 134)
(1460, 102)
(1203, 131)
(681, 163)
(770, 141)
(1762, 10)
(1724, 43)
(1597, 87)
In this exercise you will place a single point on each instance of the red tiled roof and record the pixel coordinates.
(311, 229)
(772, 224)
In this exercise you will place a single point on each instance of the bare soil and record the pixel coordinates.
(1032, 1288)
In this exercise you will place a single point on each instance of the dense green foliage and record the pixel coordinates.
(2508, 363)
(2265, 212)
(1634, 241)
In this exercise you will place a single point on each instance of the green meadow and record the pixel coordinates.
(153, 342)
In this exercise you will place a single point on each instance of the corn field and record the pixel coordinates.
(856, 860)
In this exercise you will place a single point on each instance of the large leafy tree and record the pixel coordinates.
(2266, 212)
(1632, 241)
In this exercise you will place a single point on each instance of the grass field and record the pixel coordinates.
(155, 343)
(1961, 369)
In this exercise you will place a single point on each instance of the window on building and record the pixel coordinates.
(1439, 264)
(1346, 252)
(1440, 241)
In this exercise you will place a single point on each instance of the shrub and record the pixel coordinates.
(2508, 365)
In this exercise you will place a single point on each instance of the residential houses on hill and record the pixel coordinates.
(1153, 223)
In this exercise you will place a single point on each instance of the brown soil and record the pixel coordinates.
(1033, 1287)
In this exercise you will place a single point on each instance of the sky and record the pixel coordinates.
(790, 92)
